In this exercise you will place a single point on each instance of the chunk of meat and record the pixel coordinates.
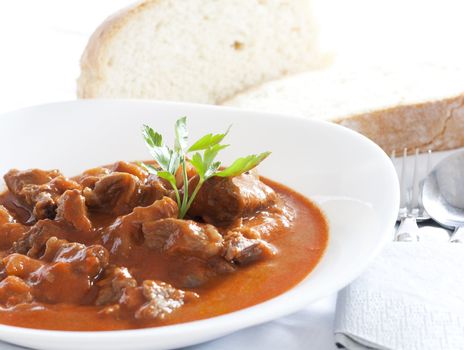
(71, 273)
(14, 291)
(33, 242)
(10, 234)
(160, 209)
(150, 187)
(162, 299)
(184, 237)
(222, 201)
(115, 281)
(90, 177)
(38, 189)
(130, 168)
(155, 188)
(241, 250)
(267, 223)
(10, 230)
(17, 181)
(127, 230)
(19, 265)
(61, 184)
(5, 216)
(118, 193)
(65, 273)
(122, 296)
(71, 209)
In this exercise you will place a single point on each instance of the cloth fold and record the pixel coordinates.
(411, 297)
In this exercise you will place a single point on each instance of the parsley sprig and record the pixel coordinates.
(203, 159)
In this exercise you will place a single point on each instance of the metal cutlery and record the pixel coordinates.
(443, 194)
(411, 210)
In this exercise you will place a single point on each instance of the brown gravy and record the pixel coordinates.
(299, 249)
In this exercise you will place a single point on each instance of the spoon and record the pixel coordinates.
(443, 194)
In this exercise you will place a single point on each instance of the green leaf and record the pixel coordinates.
(152, 138)
(148, 167)
(174, 161)
(207, 141)
(170, 160)
(198, 164)
(241, 165)
(212, 169)
(162, 155)
(181, 132)
(211, 153)
(167, 176)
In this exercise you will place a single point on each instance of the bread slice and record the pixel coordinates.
(414, 106)
(197, 50)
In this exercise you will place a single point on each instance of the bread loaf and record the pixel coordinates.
(197, 50)
(414, 106)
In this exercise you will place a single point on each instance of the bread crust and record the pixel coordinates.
(435, 125)
(93, 58)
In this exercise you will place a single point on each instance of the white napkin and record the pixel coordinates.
(411, 297)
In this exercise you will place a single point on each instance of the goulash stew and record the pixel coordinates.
(109, 250)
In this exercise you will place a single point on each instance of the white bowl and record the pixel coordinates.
(349, 176)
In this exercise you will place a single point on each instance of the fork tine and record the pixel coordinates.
(422, 212)
(403, 187)
(414, 202)
(429, 162)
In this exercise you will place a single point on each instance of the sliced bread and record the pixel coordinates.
(197, 50)
(413, 106)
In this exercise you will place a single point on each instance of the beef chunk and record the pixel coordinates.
(155, 188)
(267, 223)
(115, 281)
(130, 168)
(38, 189)
(161, 300)
(18, 181)
(19, 265)
(33, 242)
(14, 291)
(116, 193)
(72, 209)
(242, 250)
(221, 201)
(151, 300)
(66, 272)
(10, 230)
(90, 177)
(71, 272)
(184, 237)
(160, 209)
(146, 188)
(5, 216)
(61, 184)
(10, 234)
(127, 230)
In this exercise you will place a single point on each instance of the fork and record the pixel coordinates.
(411, 209)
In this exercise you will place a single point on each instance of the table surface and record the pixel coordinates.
(41, 43)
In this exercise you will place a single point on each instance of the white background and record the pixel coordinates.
(41, 43)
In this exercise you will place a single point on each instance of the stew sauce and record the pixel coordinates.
(105, 250)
